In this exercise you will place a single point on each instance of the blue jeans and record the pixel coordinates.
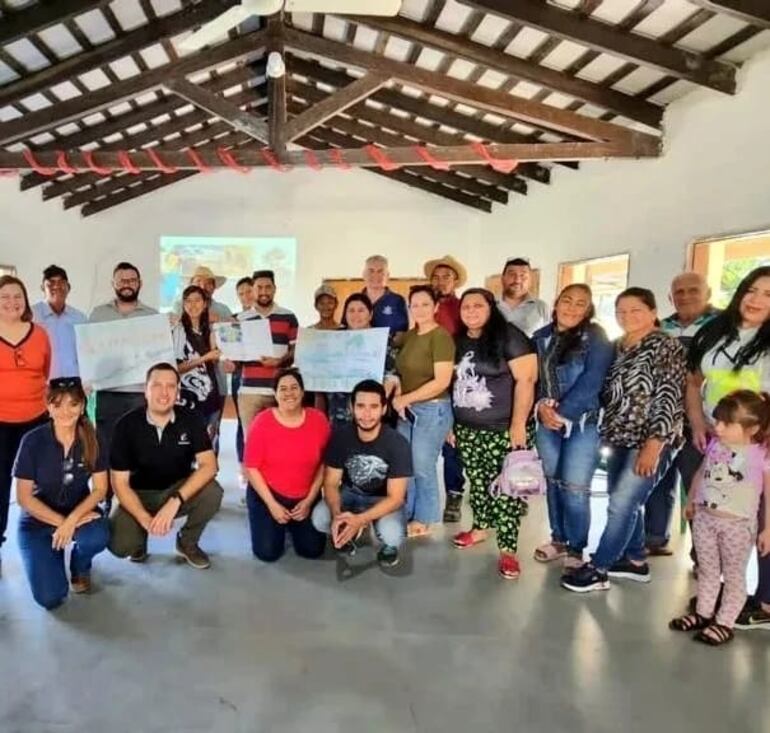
(660, 506)
(454, 481)
(390, 529)
(45, 566)
(623, 534)
(569, 465)
(433, 421)
(235, 386)
(268, 537)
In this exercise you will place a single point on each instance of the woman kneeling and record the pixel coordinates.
(53, 467)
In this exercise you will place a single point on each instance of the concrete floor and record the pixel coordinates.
(439, 645)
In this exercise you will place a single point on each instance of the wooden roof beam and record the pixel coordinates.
(105, 53)
(221, 107)
(17, 25)
(421, 108)
(60, 114)
(565, 24)
(754, 12)
(276, 90)
(474, 95)
(622, 104)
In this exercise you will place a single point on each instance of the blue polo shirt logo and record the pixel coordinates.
(387, 310)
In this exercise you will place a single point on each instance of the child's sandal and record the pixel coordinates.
(689, 622)
(715, 635)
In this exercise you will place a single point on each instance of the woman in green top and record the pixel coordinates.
(424, 365)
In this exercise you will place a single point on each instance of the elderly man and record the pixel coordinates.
(518, 305)
(389, 307)
(59, 321)
(446, 275)
(690, 297)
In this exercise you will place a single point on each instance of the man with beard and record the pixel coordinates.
(111, 404)
(518, 305)
(446, 275)
(59, 321)
(256, 389)
(372, 464)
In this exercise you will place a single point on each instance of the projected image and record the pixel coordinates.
(228, 257)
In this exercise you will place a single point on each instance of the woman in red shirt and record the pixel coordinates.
(25, 360)
(284, 464)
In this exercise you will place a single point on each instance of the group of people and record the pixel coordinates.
(468, 377)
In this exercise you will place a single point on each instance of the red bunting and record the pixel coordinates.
(88, 156)
(272, 160)
(162, 167)
(380, 158)
(198, 161)
(33, 163)
(229, 160)
(431, 160)
(501, 166)
(127, 164)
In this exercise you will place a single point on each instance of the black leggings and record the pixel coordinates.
(11, 434)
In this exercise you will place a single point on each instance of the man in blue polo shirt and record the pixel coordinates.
(59, 321)
(389, 307)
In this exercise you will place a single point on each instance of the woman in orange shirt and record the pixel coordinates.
(25, 359)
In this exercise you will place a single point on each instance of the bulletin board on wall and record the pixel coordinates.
(492, 282)
(347, 286)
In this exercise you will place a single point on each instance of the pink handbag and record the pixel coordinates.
(522, 475)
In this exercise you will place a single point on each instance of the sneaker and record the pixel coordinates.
(753, 616)
(508, 566)
(585, 580)
(80, 583)
(388, 557)
(453, 508)
(659, 551)
(192, 554)
(139, 555)
(629, 571)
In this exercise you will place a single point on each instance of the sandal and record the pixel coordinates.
(417, 529)
(550, 551)
(464, 540)
(715, 635)
(689, 622)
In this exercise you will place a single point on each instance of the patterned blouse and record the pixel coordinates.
(643, 395)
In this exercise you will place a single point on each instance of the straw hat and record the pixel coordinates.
(451, 263)
(325, 290)
(207, 274)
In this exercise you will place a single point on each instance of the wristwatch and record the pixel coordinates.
(178, 495)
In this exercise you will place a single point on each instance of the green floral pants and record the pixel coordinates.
(482, 453)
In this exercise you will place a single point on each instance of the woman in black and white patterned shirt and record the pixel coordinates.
(643, 400)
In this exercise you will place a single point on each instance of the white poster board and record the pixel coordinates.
(335, 361)
(244, 340)
(119, 353)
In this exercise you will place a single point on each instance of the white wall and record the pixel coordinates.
(714, 178)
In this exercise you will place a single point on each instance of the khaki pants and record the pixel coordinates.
(127, 536)
(250, 405)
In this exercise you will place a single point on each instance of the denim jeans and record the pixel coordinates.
(45, 566)
(569, 465)
(454, 481)
(623, 534)
(268, 537)
(390, 529)
(235, 385)
(660, 506)
(433, 421)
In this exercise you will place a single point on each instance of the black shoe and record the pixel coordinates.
(585, 579)
(629, 571)
(139, 556)
(388, 557)
(453, 509)
(192, 554)
(753, 616)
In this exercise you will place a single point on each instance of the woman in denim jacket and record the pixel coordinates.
(574, 355)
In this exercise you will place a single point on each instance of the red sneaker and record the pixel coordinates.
(508, 566)
(464, 540)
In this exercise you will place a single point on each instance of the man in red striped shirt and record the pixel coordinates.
(256, 390)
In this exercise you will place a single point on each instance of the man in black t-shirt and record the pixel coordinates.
(368, 465)
(162, 467)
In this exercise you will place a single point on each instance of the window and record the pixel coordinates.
(607, 277)
(724, 262)
(7, 270)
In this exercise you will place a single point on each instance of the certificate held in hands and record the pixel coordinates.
(245, 340)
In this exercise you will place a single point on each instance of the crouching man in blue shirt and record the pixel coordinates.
(53, 468)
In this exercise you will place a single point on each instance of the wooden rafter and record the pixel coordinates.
(120, 46)
(17, 25)
(631, 46)
(434, 113)
(474, 95)
(276, 90)
(450, 43)
(57, 115)
(755, 12)
(221, 107)
(333, 104)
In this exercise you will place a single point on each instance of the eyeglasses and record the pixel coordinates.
(18, 359)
